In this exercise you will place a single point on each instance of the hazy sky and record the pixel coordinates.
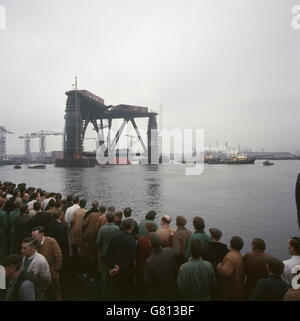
(230, 67)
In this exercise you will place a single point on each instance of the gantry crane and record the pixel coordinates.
(42, 137)
(3, 132)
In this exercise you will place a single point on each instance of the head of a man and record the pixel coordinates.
(151, 215)
(29, 247)
(75, 200)
(198, 223)
(180, 221)
(24, 209)
(127, 225)
(102, 209)
(294, 245)
(165, 220)
(258, 245)
(127, 212)
(236, 243)
(215, 234)
(196, 248)
(82, 203)
(26, 197)
(150, 227)
(110, 217)
(274, 266)
(155, 241)
(118, 216)
(12, 265)
(37, 206)
(95, 205)
(38, 233)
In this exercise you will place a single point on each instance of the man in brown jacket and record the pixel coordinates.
(255, 265)
(232, 273)
(180, 240)
(50, 249)
(76, 228)
(90, 228)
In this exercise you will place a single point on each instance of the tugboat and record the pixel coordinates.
(268, 163)
(17, 166)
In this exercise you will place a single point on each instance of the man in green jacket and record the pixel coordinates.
(104, 236)
(149, 218)
(196, 279)
(199, 234)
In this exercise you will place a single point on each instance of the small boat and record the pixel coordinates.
(267, 163)
(37, 167)
(17, 166)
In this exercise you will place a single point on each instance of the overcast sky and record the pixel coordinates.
(230, 67)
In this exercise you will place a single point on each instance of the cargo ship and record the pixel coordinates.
(239, 158)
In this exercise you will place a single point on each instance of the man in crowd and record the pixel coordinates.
(104, 236)
(160, 273)
(21, 228)
(3, 231)
(294, 249)
(40, 218)
(255, 265)
(127, 214)
(118, 218)
(199, 226)
(50, 249)
(149, 218)
(35, 263)
(166, 232)
(94, 209)
(121, 256)
(11, 216)
(20, 285)
(196, 278)
(231, 272)
(272, 288)
(143, 252)
(180, 240)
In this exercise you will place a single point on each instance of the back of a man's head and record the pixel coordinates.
(150, 215)
(274, 265)
(151, 227)
(180, 221)
(236, 243)
(70, 198)
(23, 209)
(110, 217)
(155, 240)
(198, 223)
(12, 260)
(82, 203)
(196, 248)
(37, 206)
(102, 209)
(127, 212)
(127, 224)
(259, 244)
(295, 244)
(75, 199)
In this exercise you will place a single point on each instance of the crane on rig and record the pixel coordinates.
(42, 142)
(3, 132)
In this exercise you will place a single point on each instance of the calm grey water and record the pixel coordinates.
(245, 200)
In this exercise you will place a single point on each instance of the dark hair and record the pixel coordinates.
(259, 244)
(110, 216)
(127, 212)
(51, 203)
(102, 209)
(39, 228)
(180, 221)
(151, 215)
(119, 214)
(95, 204)
(37, 206)
(151, 227)
(295, 243)
(75, 199)
(275, 265)
(32, 241)
(236, 243)
(82, 203)
(198, 223)
(70, 198)
(12, 260)
(155, 240)
(33, 196)
(196, 248)
(111, 209)
(127, 224)
(17, 204)
(23, 209)
(52, 194)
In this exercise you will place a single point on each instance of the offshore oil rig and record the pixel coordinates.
(83, 108)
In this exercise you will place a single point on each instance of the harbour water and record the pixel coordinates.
(245, 200)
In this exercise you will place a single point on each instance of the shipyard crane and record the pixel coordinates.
(3, 132)
(42, 142)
